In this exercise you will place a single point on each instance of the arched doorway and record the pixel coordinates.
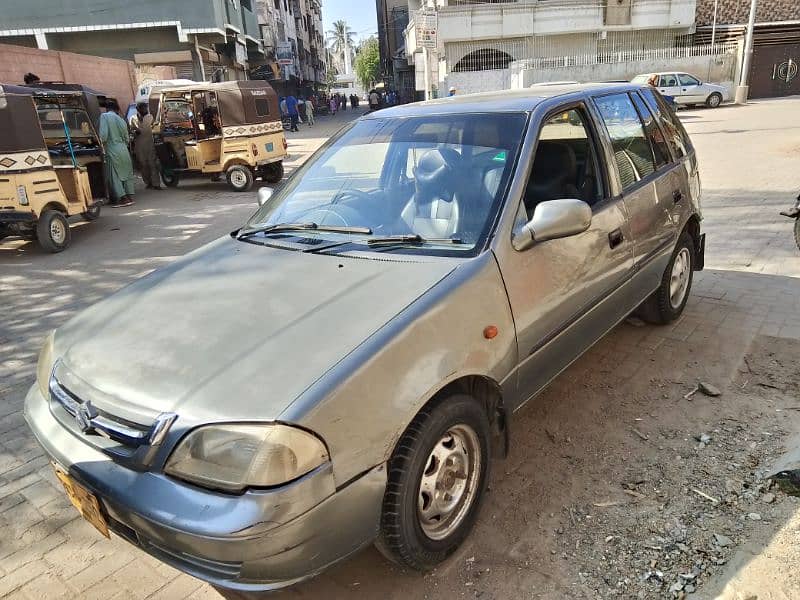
(483, 60)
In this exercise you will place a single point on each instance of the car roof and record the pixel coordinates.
(523, 100)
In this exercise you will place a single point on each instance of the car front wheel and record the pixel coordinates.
(667, 302)
(714, 100)
(437, 477)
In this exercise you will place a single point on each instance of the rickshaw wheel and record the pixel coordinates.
(52, 231)
(273, 172)
(170, 178)
(240, 178)
(92, 213)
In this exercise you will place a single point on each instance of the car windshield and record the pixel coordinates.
(434, 183)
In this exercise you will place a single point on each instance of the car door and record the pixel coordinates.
(668, 86)
(644, 168)
(562, 291)
(691, 89)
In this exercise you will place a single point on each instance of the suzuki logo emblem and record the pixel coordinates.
(84, 415)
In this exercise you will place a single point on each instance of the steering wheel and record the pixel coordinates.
(346, 215)
(353, 193)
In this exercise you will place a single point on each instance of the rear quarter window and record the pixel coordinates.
(677, 137)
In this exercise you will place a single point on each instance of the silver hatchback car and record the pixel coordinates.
(342, 369)
(686, 89)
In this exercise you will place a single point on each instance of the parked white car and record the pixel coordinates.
(687, 89)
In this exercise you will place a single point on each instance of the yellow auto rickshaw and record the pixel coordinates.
(231, 128)
(51, 164)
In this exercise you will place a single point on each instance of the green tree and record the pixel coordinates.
(368, 62)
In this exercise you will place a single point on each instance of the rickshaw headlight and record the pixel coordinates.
(22, 195)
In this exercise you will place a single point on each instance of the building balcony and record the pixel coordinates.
(526, 19)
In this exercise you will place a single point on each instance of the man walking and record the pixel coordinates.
(142, 127)
(310, 111)
(114, 134)
(291, 109)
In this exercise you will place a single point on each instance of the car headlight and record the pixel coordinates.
(45, 366)
(237, 456)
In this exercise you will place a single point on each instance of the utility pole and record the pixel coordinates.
(714, 25)
(744, 88)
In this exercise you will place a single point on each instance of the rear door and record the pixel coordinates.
(668, 86)
(643, 167)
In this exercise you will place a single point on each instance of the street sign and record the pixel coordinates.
(426, 26)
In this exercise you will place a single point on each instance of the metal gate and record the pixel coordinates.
(775, 70)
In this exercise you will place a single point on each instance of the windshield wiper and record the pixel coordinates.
(388, 240)
(280, 227)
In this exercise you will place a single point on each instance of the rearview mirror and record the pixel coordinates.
(264, 194)
(553, 219)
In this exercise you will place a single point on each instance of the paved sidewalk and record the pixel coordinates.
(749, 158)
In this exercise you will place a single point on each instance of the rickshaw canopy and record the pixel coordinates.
(240, 103)
(19, 121)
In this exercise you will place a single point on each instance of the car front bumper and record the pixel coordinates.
(251, 542)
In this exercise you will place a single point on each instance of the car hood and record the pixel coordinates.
(233, 330)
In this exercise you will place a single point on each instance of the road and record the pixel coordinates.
(750, 289)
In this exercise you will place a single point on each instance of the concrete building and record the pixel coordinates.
(775, 68)
(201, 39)
(481, 41)
(397, 74)
(295, 25)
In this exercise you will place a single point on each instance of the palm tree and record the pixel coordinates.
(337, 37)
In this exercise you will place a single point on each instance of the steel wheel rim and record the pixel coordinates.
(679, 278)
(238, 178)
(58, 232)
(714, 101)
(449, 482)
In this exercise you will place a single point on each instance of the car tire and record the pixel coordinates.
(667, 302)
(92, 213)
(436, 480)
(273, 172)
(714, 100)
(170, 178)
(240, 178)
(52, 231)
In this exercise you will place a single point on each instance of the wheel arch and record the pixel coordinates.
(692, 227)
(53, 205)
(236, 161)
(490, 396)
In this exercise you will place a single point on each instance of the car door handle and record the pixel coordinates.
(677, 196)
(615, 238)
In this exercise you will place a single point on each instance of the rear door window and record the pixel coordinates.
(653, 131)
(676, 134)
(668, 80)
(632, 151)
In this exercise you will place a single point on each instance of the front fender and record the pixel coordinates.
(362, 406)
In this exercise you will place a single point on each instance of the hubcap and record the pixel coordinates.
(679, 279)
(714, 101)
(238, 178)
(58, 232)
(449, 482)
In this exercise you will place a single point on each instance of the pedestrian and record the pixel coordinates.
(334, 104)
(31, 78)
(452, 91)
(374, 100)
(301, 109)
(114, 135)
(291, 109)
(310, 111)
(282, 105)
(144, 148)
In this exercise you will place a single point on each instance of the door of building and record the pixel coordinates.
(775, 70)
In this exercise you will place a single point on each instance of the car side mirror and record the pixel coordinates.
(551, 220)
(264, 194)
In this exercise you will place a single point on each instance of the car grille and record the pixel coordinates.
(90, 419)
